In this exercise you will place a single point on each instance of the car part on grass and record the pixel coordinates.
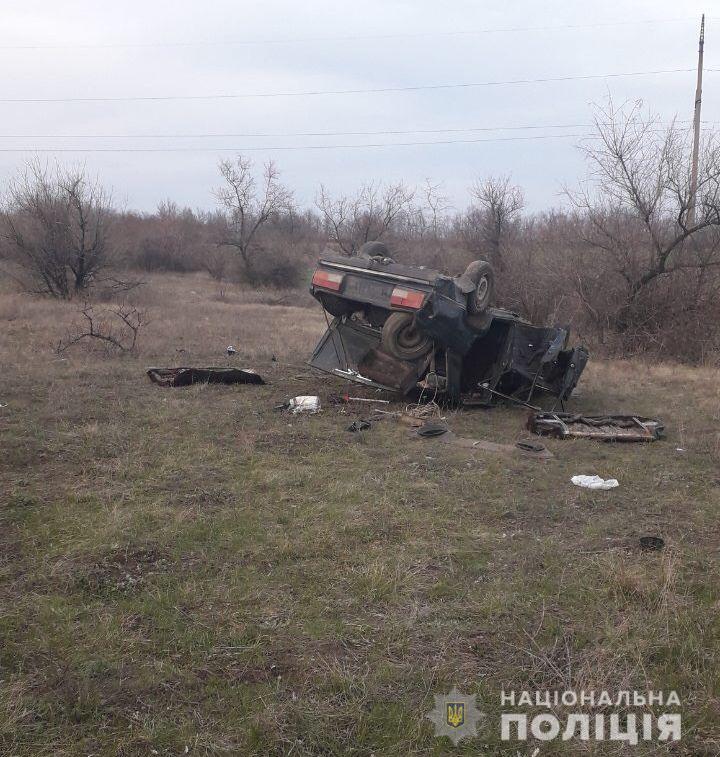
(359, 425)
(304, 403)
(441, 433)
(620, 428)
(347, 398)
(188, 376)
(651, 543)
(405, 328)
(404, 418)
(432, 428)
(594, 482)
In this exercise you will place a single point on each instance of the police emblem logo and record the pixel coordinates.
(455, 715)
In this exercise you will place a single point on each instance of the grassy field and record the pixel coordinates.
(192, 571)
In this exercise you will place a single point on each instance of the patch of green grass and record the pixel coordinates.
(190, 569)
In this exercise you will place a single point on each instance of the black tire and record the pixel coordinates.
(371, 250)
(402, 339)
(483, 295)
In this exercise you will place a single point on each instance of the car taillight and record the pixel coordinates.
(407, 298)
(327, 280)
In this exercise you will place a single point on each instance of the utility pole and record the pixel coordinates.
(696, 129)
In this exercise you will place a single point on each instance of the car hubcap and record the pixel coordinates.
(409, 337)
(481, 291)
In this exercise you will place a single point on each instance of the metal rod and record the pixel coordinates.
(513, 399)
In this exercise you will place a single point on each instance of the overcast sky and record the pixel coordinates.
(83, 49)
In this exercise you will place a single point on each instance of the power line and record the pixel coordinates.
(285, 147)
(345, 38)
(376, 90)
(383, 132)
(387, 132)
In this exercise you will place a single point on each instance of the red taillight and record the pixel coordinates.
(327, 280)
(407, 298)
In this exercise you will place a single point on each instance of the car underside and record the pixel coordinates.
(412, 329)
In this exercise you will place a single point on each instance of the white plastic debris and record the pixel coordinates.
(231, 350)
(305, 403)
(595, 482)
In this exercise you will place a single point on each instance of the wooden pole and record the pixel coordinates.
(696, 129)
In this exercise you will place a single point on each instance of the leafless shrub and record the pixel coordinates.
(116, 328)
(488, 224)
(431, 216)
(369, 216)
(171, 239)
(216, 262)
(55, 223)
(636, 206)
(110, 288)
(248, 207)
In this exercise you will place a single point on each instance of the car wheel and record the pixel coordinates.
(483, 277)
(402, 339)
(373, 250)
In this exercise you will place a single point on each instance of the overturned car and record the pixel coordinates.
(410, 328)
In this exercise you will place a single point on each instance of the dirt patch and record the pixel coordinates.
(122, 570)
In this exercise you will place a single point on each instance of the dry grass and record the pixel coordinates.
(190, 568)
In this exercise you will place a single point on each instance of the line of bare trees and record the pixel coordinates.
(621, 263)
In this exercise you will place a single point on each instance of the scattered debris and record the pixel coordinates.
(304, 403)
(346, 399)
(529, 445)
(424, 410)
(440, 432)
(651, 543)
(620, 428)
(403, 328)
(359, 425)
(188, 376)
(431, 429)
(595, 482)
(231, 350)
(404, 418)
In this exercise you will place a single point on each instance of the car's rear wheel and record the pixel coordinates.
(402, 339)
(483, 277)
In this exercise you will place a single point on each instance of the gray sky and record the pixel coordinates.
(146, 53)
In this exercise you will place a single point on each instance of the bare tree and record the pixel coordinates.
(436, 206)
(637, 198)
(55, 223)
(367, 216)
(499, 203)
(249, 205)
(117, 327)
